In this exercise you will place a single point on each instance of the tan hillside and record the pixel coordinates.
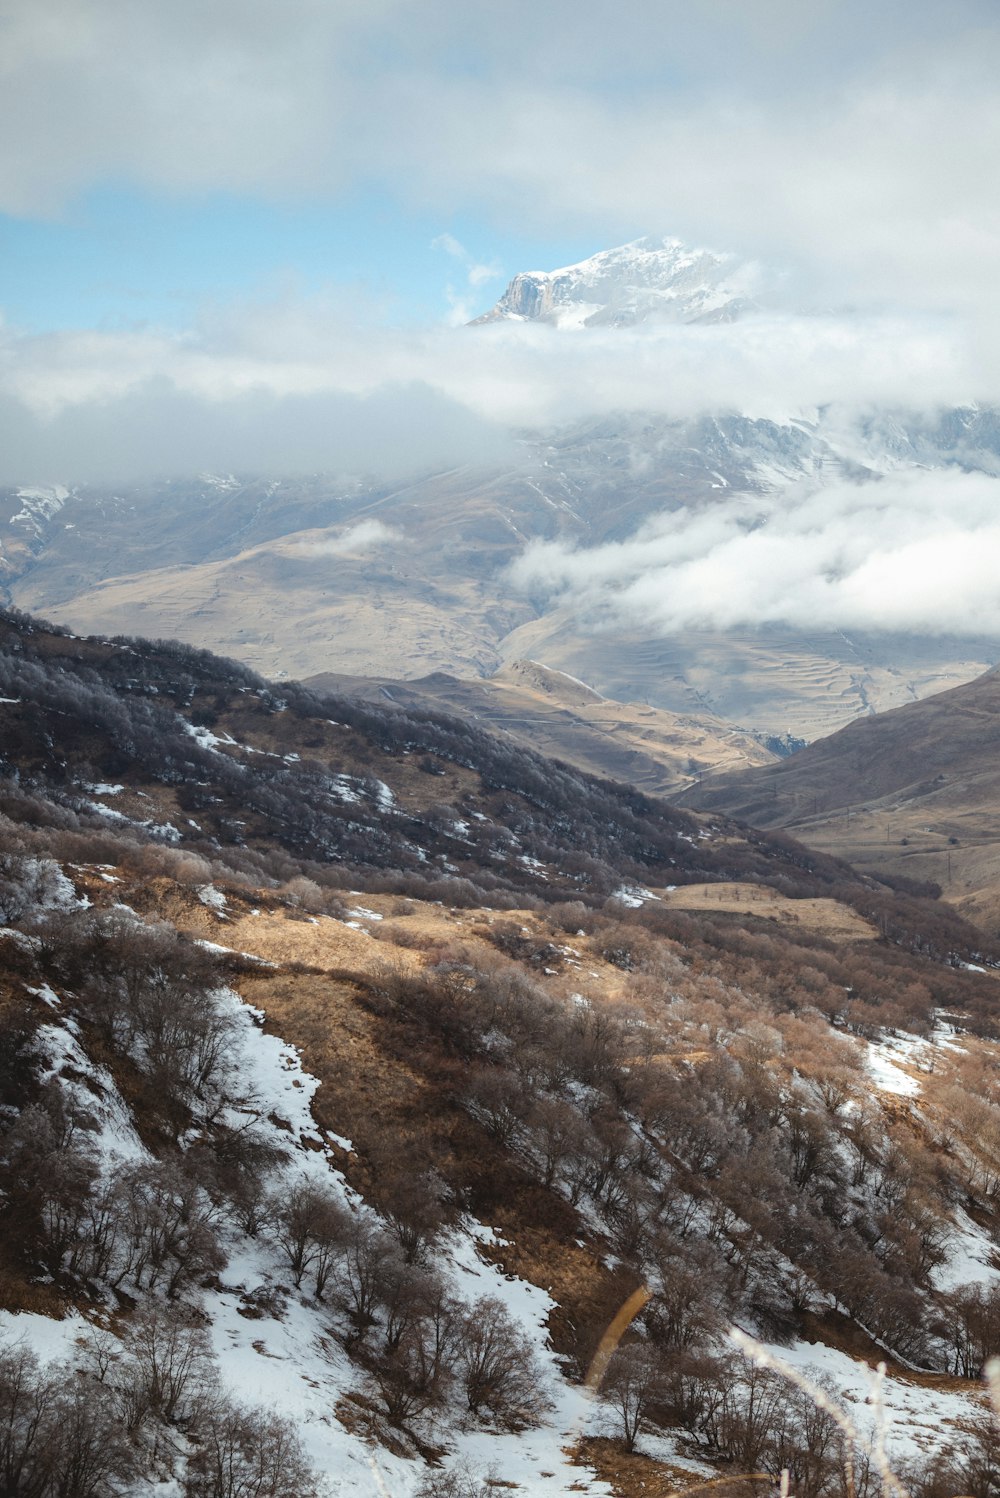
(648, 747)
(770, 679)
(914, 792)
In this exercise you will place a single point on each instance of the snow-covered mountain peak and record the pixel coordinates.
(648, 278)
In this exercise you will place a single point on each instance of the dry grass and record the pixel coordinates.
(632, 1475)
(827, 917)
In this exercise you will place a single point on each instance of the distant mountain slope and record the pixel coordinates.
(195, 752)
(175, 746)
(649, 278)
(656, 751)
(915, 790)
(401, 580)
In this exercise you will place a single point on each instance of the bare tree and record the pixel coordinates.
(456, 1482)
(409, 1373)
(633, 1385)
(692, 1281)
(89, 1453)
(369, 1264)
(313, 1229)
(167, 1369)
(497, 1365)
(974, 1326)
(410, 1196)
(26, 1412)
(557, 1133)
(60, 1435)
(169, 1237)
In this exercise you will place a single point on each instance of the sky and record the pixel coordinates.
(252, 233)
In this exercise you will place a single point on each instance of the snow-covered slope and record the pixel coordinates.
(276, 1347)
(649, 278)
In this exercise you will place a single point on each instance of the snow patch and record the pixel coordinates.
(918, 1420)
(972, 1256)
(634, 895)
(887, 1076)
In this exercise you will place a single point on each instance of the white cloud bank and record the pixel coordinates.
(296, 387)
(913, 551)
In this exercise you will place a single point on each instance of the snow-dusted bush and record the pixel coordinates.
(247, 1453)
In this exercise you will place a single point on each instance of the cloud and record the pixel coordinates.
(516, 373)
(154, 429)
(463, 302)
(236, 96)
(292, 386)
(913, 551)
(366, 536)
(857, 144)
(450, 245)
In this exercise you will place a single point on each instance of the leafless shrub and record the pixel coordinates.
(456, 1482)
(176, 863)
(973, 1318)
(168, 1233)
(235, 1165)
(498, 1099)
(412, 1370)
(691, 1282)
(497, 1366)
(306, 894)
(27, 1416)
(88, 1453)
(29, 884)
(166, 1369)
(411, 1197)
(313, 1229)
(48, 1175)
(557, 1135)
(369, 1264)
(247, 1453)
(59, 1436)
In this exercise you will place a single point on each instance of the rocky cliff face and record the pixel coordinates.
(649, 278)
